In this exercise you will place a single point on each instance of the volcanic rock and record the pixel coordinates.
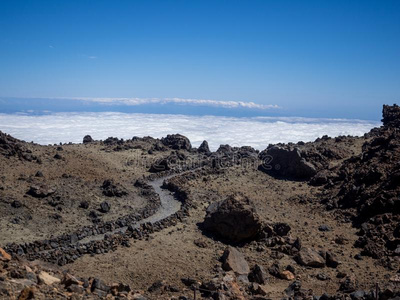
(286, 162)
(87, 139)
(234, 219)
(391, 115)
(258, 275)
(110, 189)
(233, 260)
(310, 258)
(204, 148)
(177, 142)
(105, 207)
(41, 191)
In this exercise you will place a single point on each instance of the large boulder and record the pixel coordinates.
(234, 219)
(286, 162)
(177, 142)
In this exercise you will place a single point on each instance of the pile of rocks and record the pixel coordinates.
(368, 187)
(24, 280)
(10, 146)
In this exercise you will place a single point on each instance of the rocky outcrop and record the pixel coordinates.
(203, 148)
(10, 146)
(368, 188)
(87, 139)
(234, 219)
(391, 115)
(177, 142)
(286, 162)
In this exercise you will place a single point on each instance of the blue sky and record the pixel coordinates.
(311, 58)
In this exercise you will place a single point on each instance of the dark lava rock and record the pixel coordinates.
(16, 204)
(258, 275)
(234, 219)
(58, 156)
(41, 191)
(93, 214)
(324, 228)
(204, 148)
(348, 284)
(331, 260)
(177, 142)
(39, 174)
(87, 139)
(286, 162)
(391, 115)
(110, 189)
(84, 204)
(105, 207)
(98, 284)
(281, 229)
(225, 149)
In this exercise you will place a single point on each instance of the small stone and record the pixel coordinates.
(233, 260)
(258, 275)
(105, 207)
(310, 258)
(331, 260)
(47, 279)
(322, 277)
(84, 204)
(324, 228)
(4, 256)
(16, 204)
(287, 275)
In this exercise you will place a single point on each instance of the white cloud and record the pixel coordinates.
(202, 102)
(257, 132)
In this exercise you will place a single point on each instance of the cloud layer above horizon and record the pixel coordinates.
(183, 101)
(257, 132)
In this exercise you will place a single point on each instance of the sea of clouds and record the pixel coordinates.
(257, 132)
